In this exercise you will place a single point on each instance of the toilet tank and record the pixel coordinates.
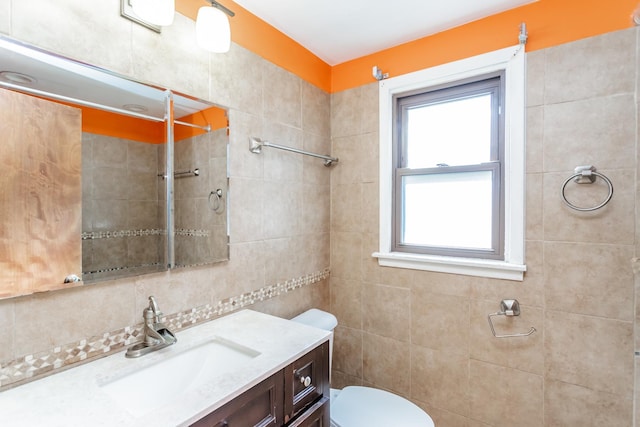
(318, 319)
(321, 320)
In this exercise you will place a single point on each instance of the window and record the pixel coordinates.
(452, 167)
(448, 170)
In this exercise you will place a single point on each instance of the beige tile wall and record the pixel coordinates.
(279, 215)
(425, 335)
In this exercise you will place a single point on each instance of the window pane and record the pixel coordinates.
(448, 210)
(453, 133)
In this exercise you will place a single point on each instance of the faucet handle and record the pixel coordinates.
(153, 306)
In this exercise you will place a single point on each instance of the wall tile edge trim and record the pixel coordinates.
(35, 366)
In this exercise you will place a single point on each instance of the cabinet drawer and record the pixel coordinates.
(306, 381)
(317, 416)
(259, 406)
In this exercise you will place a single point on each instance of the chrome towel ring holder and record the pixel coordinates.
(215, 201)
(586, 175)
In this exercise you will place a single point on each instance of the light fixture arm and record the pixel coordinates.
(215, 4)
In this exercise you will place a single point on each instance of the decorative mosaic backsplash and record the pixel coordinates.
(92, 235)
(35, 366)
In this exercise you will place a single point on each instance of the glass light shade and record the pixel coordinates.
(212, 30)
(157, 12)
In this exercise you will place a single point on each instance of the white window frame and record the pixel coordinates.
(512, 61)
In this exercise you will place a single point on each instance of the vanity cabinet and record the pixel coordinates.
(261, 405)
(296, 396)
(316, 416)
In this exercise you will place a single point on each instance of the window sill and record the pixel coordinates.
(465, 266)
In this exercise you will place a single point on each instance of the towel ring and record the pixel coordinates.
(216, 196)
(586, 175)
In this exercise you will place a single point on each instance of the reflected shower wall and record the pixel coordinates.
(123, 214)
(200, 218)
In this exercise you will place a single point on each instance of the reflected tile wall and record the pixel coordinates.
(122, 222)
(578, 291)
(200, 220)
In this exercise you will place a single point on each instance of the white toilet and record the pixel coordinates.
(356, 406)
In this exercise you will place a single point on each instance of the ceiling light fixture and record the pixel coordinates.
(136, 108)
(157, 12)
(213, 32)
(17, 78)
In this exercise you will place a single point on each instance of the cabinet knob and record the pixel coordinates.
(305, 380)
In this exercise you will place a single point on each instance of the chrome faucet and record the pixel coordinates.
(156, 334)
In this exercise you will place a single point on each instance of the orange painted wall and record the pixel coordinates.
(116, 125)
(119, 126)
(214, 116)
(549, 23)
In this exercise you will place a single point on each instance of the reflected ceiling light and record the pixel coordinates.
(136, 108)
(157, 12)
(212, 28)
(17, 78)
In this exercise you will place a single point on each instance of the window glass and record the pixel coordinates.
(456, 132)
(448, 187)
(448, 210)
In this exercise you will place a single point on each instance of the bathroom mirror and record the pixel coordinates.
(153, 192)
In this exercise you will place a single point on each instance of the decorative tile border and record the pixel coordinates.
(192, 233)
(123, 268)
(91, 235)
(35, 366)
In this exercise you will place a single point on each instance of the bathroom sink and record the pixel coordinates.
(142, 390)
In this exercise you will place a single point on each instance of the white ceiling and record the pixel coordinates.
(341, 30)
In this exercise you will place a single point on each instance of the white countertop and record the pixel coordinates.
(75, 397)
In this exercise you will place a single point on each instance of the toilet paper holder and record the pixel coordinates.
(508, 307)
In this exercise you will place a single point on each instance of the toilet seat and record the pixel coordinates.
(358, 406)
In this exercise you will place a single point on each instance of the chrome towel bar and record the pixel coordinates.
(256, 144)
(182, 174)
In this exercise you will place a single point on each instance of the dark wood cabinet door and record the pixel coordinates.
(306, 381)
(259, 406)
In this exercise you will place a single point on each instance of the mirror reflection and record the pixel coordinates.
(154, 191)
(200, 201)
(40, 194)
(123, 198)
